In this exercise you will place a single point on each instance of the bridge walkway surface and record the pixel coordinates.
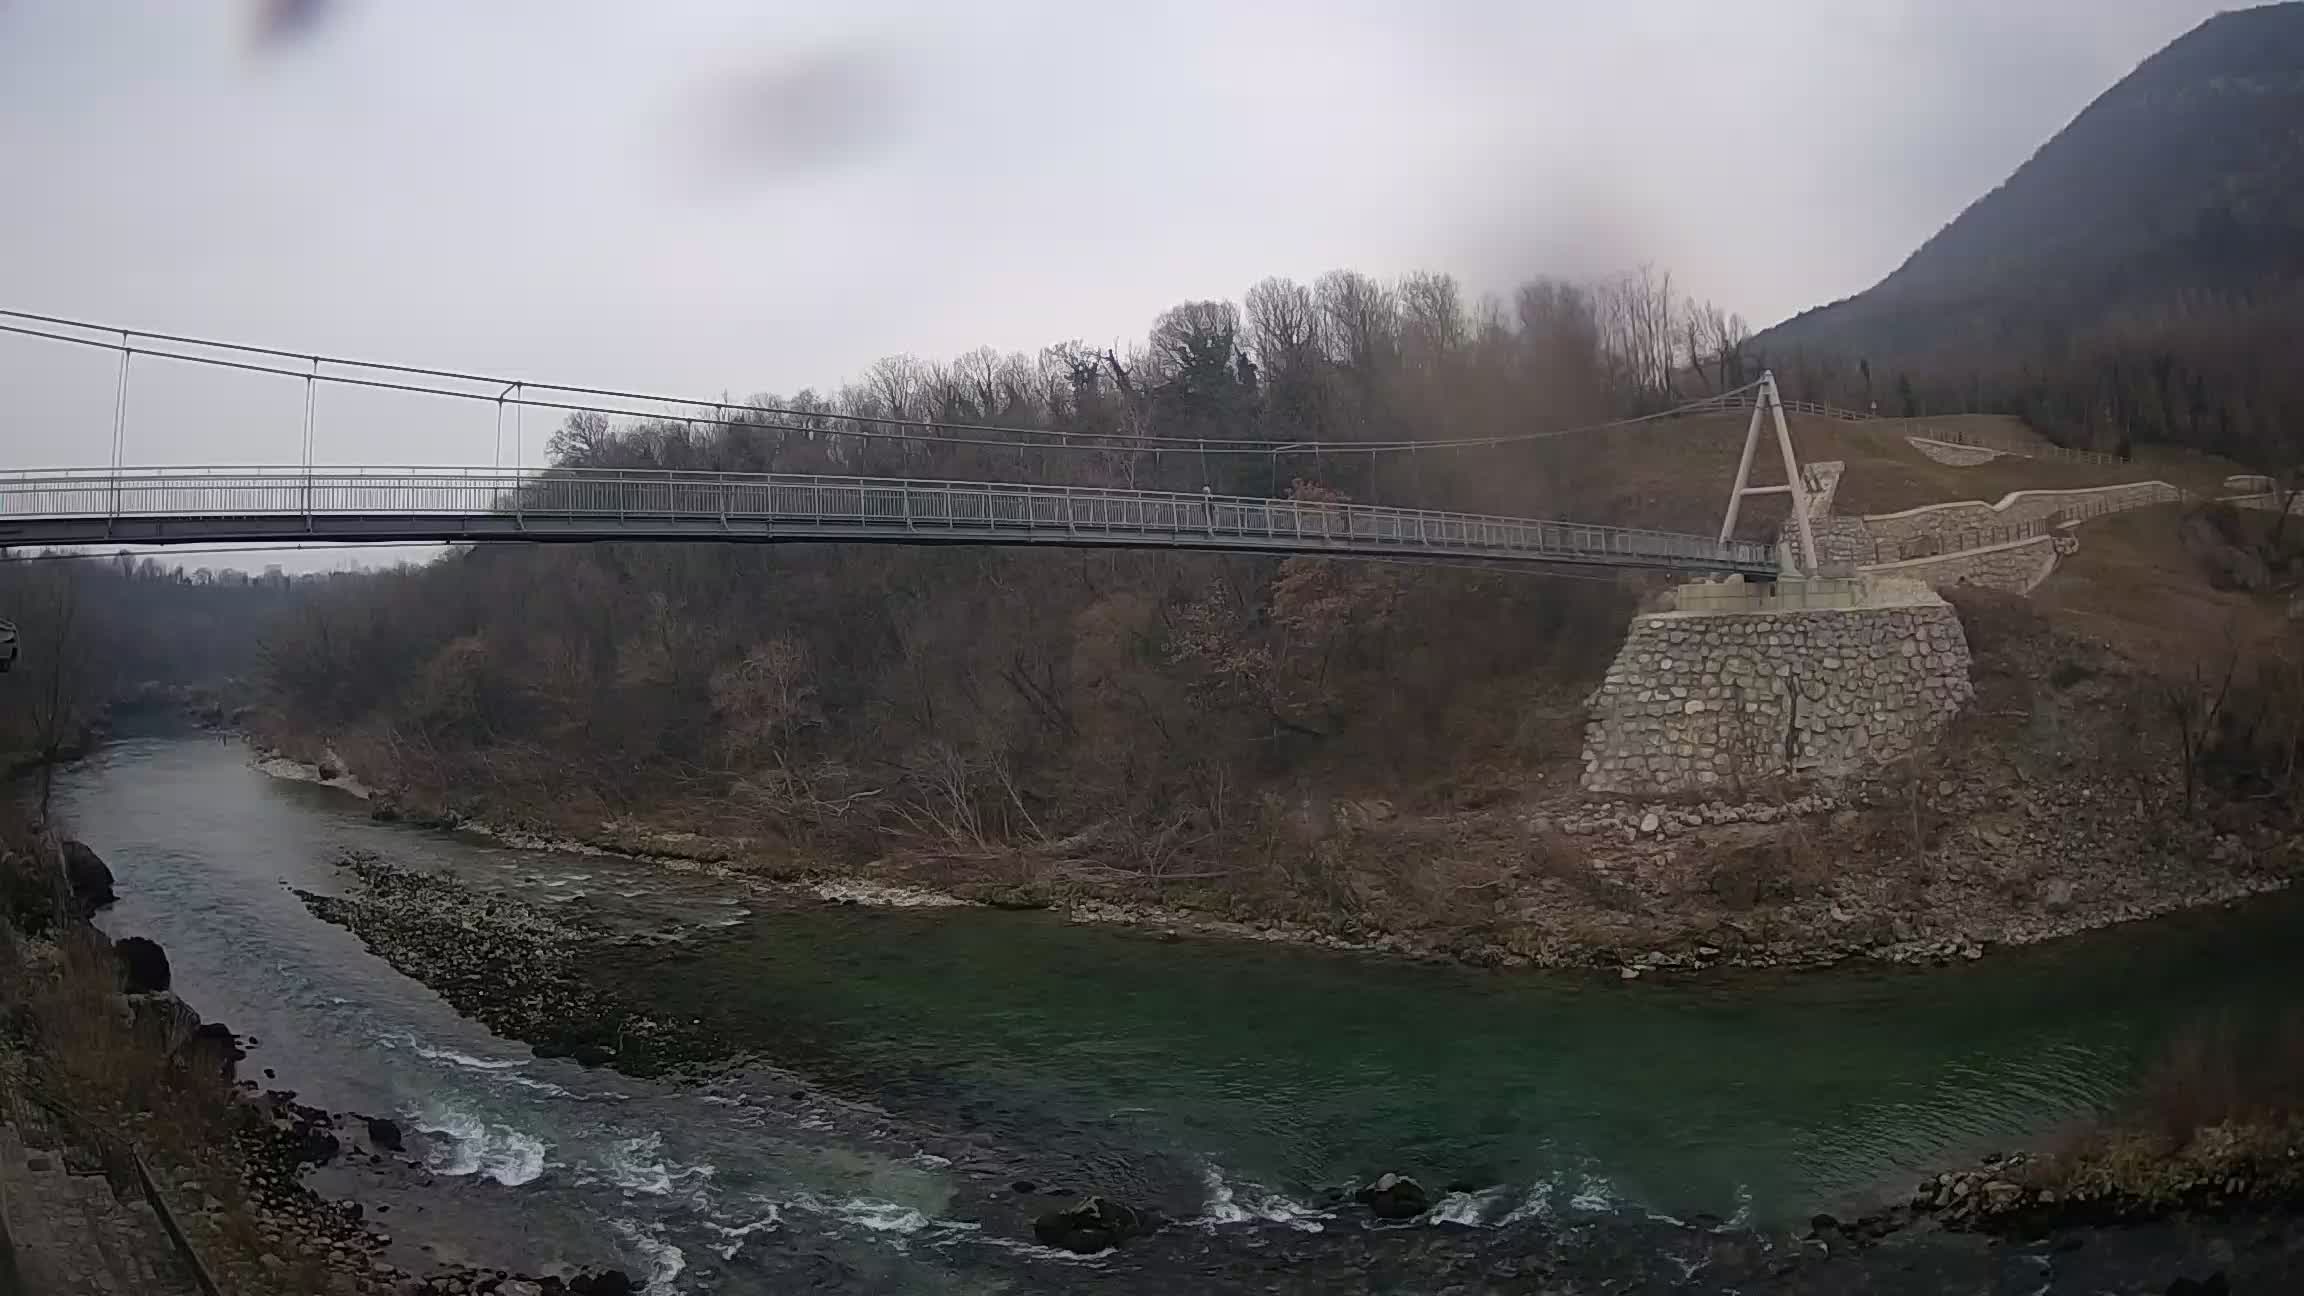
(360, 504)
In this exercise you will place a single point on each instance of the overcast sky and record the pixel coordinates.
(751, 195)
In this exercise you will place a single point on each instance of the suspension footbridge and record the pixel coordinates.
(123, 504)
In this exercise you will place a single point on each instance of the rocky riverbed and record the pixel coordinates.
(514, 965)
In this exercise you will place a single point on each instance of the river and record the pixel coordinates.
(1227, 1084)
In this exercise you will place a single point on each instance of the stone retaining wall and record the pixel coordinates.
(1822, 482)
(1958, 456)
(1700, 700)
(1948, 522)
(1844, 540)
(2016, 567)
(2267, 503)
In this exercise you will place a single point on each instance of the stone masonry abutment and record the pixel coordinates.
(1738, 683)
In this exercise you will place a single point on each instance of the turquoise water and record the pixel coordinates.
(1229, 1084)
(1299, 1070)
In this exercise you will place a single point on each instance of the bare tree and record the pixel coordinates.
(57, 648)
(1433, 325)
(1359, 321)
(1639, 335)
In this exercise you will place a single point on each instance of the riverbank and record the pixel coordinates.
(1636, 889)
(2058, 803)
(107, 1071)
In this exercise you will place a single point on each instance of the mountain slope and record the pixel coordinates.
(2182, 184)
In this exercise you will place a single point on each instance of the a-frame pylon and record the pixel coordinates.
(1767, 402)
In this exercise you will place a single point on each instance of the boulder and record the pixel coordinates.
(1394, 1197)
(1096, 1224)
(89, 878)
(163, 1020)
(143, 965)
(315, 1145)
(593, 1055)
(384, 1134)
(212, 1042)
(607, 1282)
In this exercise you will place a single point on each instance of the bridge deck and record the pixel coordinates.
(187, 505)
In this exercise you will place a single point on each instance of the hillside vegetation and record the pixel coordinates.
(1373, 751)
(2140, 278)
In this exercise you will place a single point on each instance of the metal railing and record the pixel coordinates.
(165, 505)
(1742, 400)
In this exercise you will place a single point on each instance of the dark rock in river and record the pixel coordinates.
(608, 1282)
(213, 1044)
(384, 1134)
(2213, 1285)
(1094, 1225)
(593, 1055)
(90, 879)
(316, 1145)
(1395, 1197)
(143, 965)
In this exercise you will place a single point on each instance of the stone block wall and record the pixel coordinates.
(2267, 503)
(2016, 567)
(1949, 523)
(1844, 540)
(1822, 482)
(1698, 701)
(1958, 456)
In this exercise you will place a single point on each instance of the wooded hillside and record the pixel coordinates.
(2141, 277)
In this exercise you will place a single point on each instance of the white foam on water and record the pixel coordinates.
(865, 1212)
(465, 1060)
(1536, 1205)
(1593, 1196)
(930, 1161)
(664, 1261)
(496, 1070)
(738, 1233)
(637, 1165)
(1471, 1209)
(468, 1145)
(545, 1087)
(881, 1216)
(1225, 1206)
(1093, 1260)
